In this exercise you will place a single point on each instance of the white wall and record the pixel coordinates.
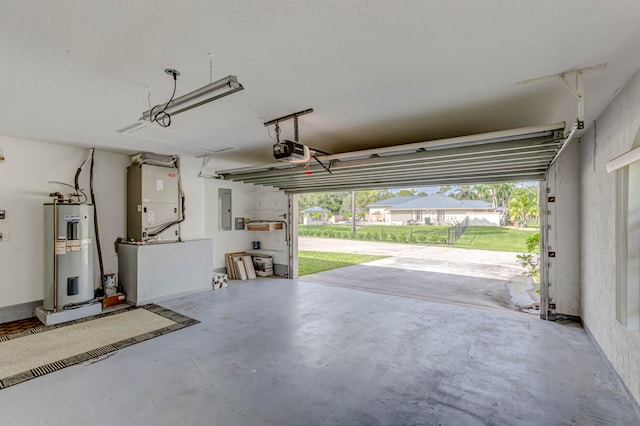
(564, 236)
(612, 135)
(475, 219)
(23, 191)
(272, 205)
(248, 201)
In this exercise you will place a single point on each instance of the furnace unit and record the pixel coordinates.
(153, 203)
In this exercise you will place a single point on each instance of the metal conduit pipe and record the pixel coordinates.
(55, 255)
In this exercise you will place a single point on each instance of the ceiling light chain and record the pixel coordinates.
(277, 130)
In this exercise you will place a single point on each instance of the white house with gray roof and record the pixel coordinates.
(380, 210)
(433, 209)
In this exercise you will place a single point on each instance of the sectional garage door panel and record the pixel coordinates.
(514, 155)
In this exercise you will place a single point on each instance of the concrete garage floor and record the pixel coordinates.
(482, 278)
(287, 352)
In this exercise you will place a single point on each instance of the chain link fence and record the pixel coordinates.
(457, 230)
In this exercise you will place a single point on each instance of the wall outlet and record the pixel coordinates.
(4, 237)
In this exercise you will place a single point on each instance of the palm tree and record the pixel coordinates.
(464, 192)
(483, 192)
(444, 189)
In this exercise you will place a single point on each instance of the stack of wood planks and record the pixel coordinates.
(240, 266)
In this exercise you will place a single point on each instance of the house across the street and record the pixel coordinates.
(433, 209)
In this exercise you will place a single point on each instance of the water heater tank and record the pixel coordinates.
(69, 253)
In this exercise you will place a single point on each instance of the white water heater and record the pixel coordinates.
(68, 255)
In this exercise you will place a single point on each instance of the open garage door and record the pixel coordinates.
(523, 154)
(512, 155)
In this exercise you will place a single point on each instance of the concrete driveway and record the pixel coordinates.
(480, 278)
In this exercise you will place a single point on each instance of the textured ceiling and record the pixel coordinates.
(377, 73)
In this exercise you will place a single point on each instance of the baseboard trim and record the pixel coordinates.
(604, 357)
(19, 311)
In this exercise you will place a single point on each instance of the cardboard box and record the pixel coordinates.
(116, 299)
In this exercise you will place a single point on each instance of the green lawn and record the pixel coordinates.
(494, 238)
(310, 262)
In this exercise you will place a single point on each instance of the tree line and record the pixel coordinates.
(518, 203)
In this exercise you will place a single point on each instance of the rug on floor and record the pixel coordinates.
(19, 326)
(42, 350)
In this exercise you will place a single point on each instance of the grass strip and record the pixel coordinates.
(495, 238)
(310, 262)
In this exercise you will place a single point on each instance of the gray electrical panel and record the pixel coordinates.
(153, 202)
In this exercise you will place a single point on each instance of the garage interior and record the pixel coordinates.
(411, 93)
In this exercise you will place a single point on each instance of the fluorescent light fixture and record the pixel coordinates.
(206, 94)
(623, 160)
(151, 132)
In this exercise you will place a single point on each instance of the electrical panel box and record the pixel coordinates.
(153, 203)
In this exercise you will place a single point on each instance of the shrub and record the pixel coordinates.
(531, 261)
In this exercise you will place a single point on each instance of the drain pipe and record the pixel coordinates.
(574, 127)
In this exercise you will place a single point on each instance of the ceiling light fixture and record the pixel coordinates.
(204, 95)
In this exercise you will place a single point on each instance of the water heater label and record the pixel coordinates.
(71, 218)
(61, 247)
(159, 185)
(73, 245)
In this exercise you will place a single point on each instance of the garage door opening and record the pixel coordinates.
(516, 155)
(472, 245)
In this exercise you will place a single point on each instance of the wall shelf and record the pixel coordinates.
(264, 226)
(263, 252)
